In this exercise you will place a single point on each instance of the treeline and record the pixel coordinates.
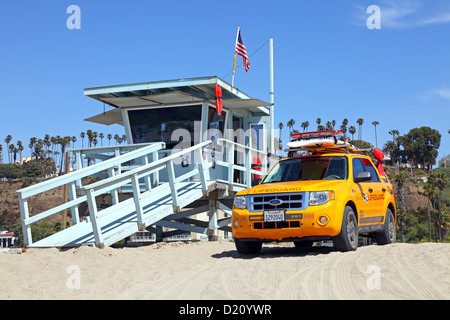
(49, 153)
(418, 147)
(423, 224)
(331, 125)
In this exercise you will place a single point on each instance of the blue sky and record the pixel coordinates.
(328, 64)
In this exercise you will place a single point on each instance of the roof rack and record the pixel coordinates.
(325, 142)
(344, 148)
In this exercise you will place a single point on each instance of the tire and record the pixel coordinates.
(347, 239)
(388, 234)
(248, 247)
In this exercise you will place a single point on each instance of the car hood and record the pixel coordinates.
(293, 186)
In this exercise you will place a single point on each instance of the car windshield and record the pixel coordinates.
(308, 168)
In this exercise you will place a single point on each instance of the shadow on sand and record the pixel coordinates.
(276, 252)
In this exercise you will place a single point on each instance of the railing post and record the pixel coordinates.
(72, 196)
(117, 154)
(24, 215)
(156, 174)
(230, 159)
(137, 202)
(173, 188)
(202, 170)
(114, 193)
(147, 181)
(94, 218)
(78, 166)
(264, 167)
(248, 167)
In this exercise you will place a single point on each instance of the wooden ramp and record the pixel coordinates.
(120, 221)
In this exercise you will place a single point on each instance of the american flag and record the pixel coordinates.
(240, 50)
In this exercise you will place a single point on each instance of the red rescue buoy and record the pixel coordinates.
(379, 155)
(218, 99)
(256, 165)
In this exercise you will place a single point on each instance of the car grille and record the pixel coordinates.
(276, 225)
(290, 201)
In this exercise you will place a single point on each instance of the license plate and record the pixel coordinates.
(274, 215)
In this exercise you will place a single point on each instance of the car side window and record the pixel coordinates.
(357, 167)
(369, 167)
(361, 165)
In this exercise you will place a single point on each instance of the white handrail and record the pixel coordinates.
(70, 180)
(133, 176)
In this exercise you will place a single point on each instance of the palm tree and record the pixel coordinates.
(124, 138)
(400, 179)
(101, 136)
(33, 141)
(344, 130)
(440, 182)
(430, 192)
(11, 149)
(352, 130)
(360, 122)
(344, 127)
(8, 140)
(375, 123)
(329, 125)
(318, 121)
(54, 142)
(20, 148)
(116, 137)
(64, 142)
(90, 135)
(109, 137)
(82, 135)
(74, 139)
(290, 124)
(333, 123)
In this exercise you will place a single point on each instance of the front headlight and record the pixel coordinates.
(240, 202)
(320, 197)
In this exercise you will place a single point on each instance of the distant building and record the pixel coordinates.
(7, 239)
(445, 162)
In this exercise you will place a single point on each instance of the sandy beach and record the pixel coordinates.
(214, 270)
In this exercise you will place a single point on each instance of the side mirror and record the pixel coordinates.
(256, 182)
(363, 176)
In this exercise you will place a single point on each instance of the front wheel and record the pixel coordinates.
(347, 239)
(248, 247)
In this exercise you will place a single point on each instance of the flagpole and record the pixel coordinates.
(271, 94)
(234, 64)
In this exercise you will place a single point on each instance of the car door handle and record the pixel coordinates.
(370, 190)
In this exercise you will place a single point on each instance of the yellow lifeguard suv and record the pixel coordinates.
(330, 190)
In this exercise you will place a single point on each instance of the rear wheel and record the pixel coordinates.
(347, 239)
(248, 247)
(388, 234)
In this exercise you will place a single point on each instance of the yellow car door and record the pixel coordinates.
(370, 192)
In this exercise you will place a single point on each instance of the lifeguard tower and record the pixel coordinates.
(183, 158)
